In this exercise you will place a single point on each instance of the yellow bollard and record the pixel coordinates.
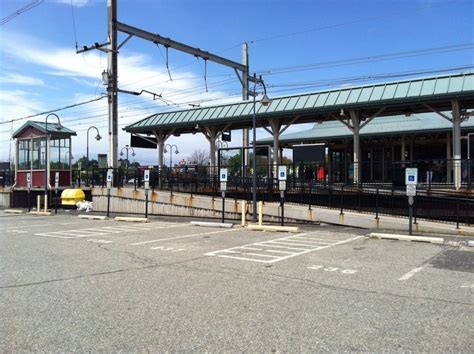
(244, 209)
(260, 213)
(38, 203)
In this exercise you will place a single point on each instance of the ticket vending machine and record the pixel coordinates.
(146, 179)
(223, 185)
(282, 174)
(411, 180)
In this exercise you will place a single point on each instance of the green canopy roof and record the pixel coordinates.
(53, 128)
(398, 97)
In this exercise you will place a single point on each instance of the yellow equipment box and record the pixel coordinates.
(72, 196)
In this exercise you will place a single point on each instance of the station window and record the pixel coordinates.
(38, 154)
(24, 154)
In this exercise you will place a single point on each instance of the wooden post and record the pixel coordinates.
(244, 209)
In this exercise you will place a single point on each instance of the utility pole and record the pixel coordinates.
(111, 48)
(112, 84)
(245, 97)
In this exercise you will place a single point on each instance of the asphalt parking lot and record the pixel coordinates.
(68, 284)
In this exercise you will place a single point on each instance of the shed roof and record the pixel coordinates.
(400, 96)
(53, 128)
(385, 126)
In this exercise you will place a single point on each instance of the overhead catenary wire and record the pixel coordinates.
(74, 24)
(338, 81)
(346, 23)
(18, 12)
(359, 60)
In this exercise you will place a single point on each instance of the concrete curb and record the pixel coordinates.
(130, 219)
(40, 213)
(437, 240)
(13, 211)
(272, 228)
(92, 217)
(212, 224)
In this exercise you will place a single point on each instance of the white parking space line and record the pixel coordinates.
(39, 225)
(410, 273)
(178, 237)
(106, 230)
(285, 245)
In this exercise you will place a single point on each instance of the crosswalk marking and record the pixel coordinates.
(287, 247)
(105, 230)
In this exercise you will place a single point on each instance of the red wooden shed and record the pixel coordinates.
(32, 140)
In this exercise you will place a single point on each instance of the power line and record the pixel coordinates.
(359, 60)
(53, 110)
(20, 11)
(341, 24)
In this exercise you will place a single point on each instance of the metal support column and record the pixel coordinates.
(449, 156)
(275, 126)
(456, 144)
(356, 134)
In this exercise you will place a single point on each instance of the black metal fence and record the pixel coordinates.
(302, 188)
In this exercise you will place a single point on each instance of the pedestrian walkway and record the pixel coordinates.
(280, 249)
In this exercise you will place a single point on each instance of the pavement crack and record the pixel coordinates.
(133, 257)
(375, 292)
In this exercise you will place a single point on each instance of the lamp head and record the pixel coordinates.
(176, 152)
(133, 154)
(121, 153)
(98, 137)
(265, 101)
(165, 151)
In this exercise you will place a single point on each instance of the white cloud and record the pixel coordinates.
(77, 3)
(19, 79)
(136, 72)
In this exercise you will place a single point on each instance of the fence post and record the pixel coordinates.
(330, 196)
(457, 213)
(377, 204)
(342, 200)
(310, 191)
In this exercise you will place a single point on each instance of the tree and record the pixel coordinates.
(199, 157)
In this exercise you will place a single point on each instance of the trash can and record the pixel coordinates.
(72, 196)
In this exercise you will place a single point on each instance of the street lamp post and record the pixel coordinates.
(170, 147)
(265, 101)
(127, 148)
(97, 137)
(46, 165)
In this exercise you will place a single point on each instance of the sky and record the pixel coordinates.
(297, 46)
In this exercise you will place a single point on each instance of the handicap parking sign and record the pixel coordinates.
(411, 176)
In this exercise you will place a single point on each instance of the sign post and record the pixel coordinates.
(56, 185)
(28, 185)
(411, 179)
(223, 182)
(282, 187)
(146, 179)
(109, 185)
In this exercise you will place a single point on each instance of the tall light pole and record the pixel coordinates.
(265, 101)
(97, 137)
(170, 147)
(46, 165)
(127, 148)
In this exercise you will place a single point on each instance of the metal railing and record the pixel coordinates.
(311, 189)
